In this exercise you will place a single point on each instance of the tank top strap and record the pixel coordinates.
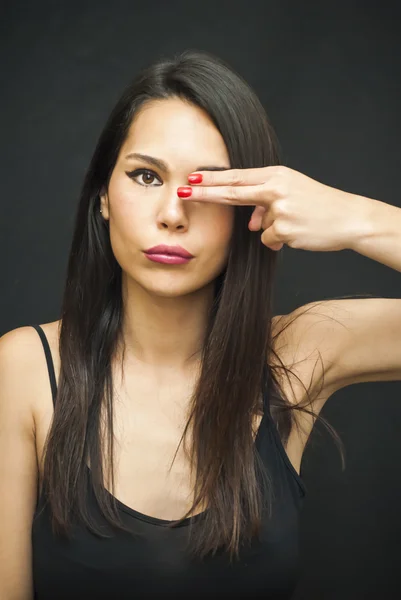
(49, 361)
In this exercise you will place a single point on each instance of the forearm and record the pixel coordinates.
(380, 233)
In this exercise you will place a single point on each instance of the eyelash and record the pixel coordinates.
(133, 174)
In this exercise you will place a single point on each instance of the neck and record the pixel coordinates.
(164, 332)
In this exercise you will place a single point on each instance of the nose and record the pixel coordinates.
(173, 212)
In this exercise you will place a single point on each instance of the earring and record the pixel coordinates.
(100, 210)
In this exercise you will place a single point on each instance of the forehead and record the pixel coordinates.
(176, 130)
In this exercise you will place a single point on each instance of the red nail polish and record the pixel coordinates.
(184, 192)
(196, 178)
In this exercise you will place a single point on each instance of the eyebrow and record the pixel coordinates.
(160, 164)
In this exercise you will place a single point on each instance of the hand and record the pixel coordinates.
(291, 208)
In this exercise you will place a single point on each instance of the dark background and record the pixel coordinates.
(329, 77)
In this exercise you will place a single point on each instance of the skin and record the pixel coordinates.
(144, 211)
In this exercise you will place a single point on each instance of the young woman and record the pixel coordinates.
(151, 439)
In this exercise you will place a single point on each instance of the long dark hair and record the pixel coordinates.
(238, 352)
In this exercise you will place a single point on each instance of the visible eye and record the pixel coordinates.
(148, 176)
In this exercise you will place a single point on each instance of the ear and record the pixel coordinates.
(104, 204)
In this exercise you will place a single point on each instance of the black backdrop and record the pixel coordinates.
(329, 77)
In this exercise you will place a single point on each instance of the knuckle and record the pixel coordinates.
(232, 193)
(280, 181)
(281, 229)
(260, 192)
(236, 177)
(280, 189)
(279, 208)
(201, 192)
(209, 178)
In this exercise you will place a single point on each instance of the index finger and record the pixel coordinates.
(254, 176)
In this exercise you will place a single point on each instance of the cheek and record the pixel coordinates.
(124, 202)
(126, 227)
(129, 212)
(217, 228)
(222, 223)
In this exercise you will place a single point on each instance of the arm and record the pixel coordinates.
(359, 340)
(18, 467)
(380, 234)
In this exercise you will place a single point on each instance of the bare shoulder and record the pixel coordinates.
(22, 349)
(25, 344)
(16, 368)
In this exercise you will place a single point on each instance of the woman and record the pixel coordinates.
(170, 437)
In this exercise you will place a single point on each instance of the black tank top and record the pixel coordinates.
(154, 564)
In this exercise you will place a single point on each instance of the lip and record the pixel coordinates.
(168, 259)
(162, 249)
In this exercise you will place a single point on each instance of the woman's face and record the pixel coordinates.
(144, 210)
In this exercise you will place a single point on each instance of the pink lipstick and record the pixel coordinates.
(171, 255)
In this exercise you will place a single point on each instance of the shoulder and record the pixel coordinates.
(19, 349)
(22, 347)
(17, 369)
(22, 361)
(305, 328)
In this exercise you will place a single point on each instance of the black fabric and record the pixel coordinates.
(154, 563)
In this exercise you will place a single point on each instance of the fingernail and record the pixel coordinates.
(184, 192)
(195, 178)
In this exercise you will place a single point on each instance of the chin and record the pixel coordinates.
(174, 287)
